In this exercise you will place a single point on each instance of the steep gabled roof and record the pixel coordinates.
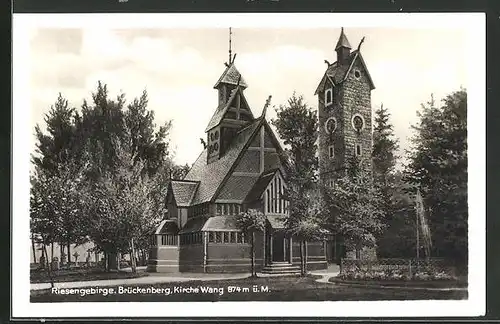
(222, 109)
(260, 186)
(212, 175)
(342, 42)
(183, 191)
(338, 73)
(231, 75)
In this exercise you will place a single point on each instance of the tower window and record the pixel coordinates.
(358, 122)
(331, 183)
(358, 149)
(331, 151)
(330, 125)
(328, 97)
(357, 74)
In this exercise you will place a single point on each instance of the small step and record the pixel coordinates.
(281, 267)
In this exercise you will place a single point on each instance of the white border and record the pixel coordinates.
(474, 306)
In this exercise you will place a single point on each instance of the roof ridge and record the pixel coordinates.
(189, 181)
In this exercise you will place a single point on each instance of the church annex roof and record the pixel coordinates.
(167, 226)
(337, 73)
(231, 76)
(221, 223)
(193, 225)
(183, 191)
(212, 175)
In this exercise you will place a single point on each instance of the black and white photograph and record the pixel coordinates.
(251, 161)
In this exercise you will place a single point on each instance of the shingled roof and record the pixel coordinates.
(222, 223)
(260, 186)
(214, 173)
(337, 73)
(184, 191)
(231, 75)
(222, 109)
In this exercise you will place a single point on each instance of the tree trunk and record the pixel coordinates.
(112, 261)
(305, 258)
(301, 258)
(61, 252)
(106, 268)
(69, 253)
(49, 271)
(51, 251)
(254, 274)
(132, 257)
(33, 248)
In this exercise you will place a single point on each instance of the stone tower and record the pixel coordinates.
(345, 113)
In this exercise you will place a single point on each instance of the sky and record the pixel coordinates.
(179, 67)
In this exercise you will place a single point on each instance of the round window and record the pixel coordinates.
(357, 74)
(216, 146)
(216, 134)
(330, 125)
(212, 136)
(358, 123)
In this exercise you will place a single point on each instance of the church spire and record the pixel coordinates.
(342, 42)
(230, 57)
(343, 48)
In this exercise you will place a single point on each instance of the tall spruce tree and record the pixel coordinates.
(438, 166)
(389, 185)
(354, 207)
(385, 147)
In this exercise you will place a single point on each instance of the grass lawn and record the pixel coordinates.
(279, 289)
(81, 274)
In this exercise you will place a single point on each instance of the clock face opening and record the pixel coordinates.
(330, 125)
(358, 123)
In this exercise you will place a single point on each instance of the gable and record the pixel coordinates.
(182, 192)
(339, 73)
(224, 109)
(231, 75)
(247, 168)
(359, 63)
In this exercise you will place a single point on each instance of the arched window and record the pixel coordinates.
(328, 97)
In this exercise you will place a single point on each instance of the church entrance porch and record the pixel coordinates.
(278, 247)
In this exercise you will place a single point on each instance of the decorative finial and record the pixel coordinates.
(230, 33)
(327, 63)
(268, 102)
(362, 40)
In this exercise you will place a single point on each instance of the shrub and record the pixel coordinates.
(391, 274)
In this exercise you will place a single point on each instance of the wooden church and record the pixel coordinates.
(241, 168)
